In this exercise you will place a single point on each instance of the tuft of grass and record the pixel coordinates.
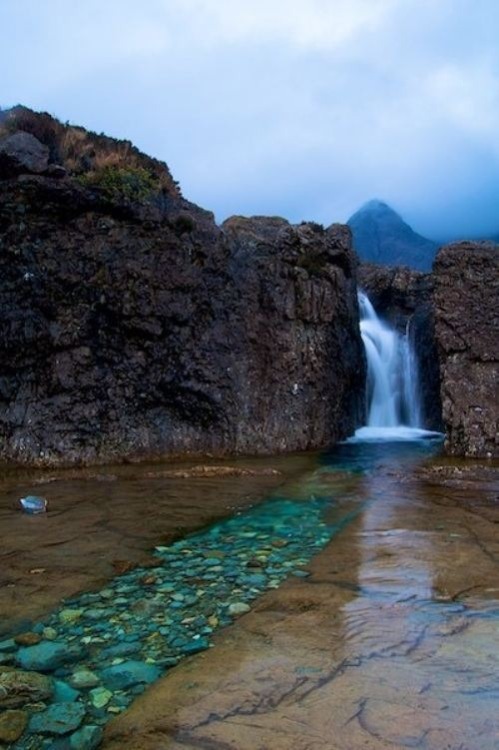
(118, 183)
(86, 154)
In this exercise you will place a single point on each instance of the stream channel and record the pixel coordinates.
(386, 554)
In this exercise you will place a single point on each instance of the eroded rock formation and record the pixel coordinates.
(466, 278)
(131, 325)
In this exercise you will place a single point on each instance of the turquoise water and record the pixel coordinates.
(101, 649)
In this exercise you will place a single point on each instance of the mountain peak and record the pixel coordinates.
(376, 205)
(381, 236)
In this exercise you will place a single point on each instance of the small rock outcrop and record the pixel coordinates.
(466, 299)
(23, 153)
(403, 297)
(133, 326)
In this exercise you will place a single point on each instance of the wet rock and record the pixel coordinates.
(21, 153)
(100, 697)
(83, 678)
(27, 639)
(238, 608)
(58, 719)
(48, 656)
(121, 676)
(86, 738)
(70, 615)
(120, 649)
(18, 688)
(64, 693)
(8, 646)
(12, 725)
(466, 301)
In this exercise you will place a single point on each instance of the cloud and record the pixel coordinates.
(315, 24)
(304, 108)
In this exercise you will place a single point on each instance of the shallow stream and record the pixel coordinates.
(102, 649)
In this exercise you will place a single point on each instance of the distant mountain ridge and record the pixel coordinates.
(381, 236)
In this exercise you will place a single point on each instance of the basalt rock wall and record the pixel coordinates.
(131, 326)
(466, 300)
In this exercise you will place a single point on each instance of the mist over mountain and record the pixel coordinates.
(381, 236)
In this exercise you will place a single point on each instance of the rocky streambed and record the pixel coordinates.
(354, 607)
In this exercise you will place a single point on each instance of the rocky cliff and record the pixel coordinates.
(132, 326)
(381, 236)
(403, 297)
(466, 298)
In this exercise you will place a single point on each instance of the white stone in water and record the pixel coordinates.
(238, 608)
(84, 678)
(70, 615)
(100, 697)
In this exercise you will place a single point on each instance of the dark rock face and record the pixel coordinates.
(395, 293)
(381, 236)
(403, 297)
(22, 152)
(466, 298)
(137, 328)
(298, 358)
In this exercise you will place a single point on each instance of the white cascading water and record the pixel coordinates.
(393, 401)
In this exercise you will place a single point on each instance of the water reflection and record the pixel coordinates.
(391, 643)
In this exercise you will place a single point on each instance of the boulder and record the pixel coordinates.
(48, 655)
(22, 153)
(18, 687)
(466, 302)
(58, 719)
(12, 725)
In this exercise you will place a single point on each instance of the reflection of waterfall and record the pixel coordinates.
(392, 383)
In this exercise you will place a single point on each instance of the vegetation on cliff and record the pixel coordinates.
(115, 166)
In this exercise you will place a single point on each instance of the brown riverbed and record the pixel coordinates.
(391, 643)
(101, 521)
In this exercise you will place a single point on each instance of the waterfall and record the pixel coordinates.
(392, 388)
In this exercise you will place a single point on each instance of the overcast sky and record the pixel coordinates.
(301, 108)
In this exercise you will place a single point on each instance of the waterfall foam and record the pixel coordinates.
(392, 388)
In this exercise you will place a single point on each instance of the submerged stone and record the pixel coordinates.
(48, 655)
(18, 688)
(238, 608)
(83, 678)
(100, 697)
(27, 639)
(67, 616)
(193, 647)
(86, 738)
(8, 645)
(12, 725)
(64, 693)
(59, 718)
(122, 676)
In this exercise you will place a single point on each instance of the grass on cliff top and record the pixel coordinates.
(97, 159)
(117, 183)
